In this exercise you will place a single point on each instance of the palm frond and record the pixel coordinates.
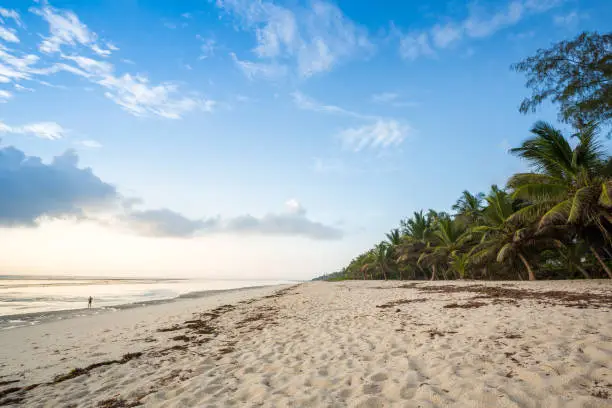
(504, 252)
(556, 215)
(540, 192)
(605, 198)
(583, 198)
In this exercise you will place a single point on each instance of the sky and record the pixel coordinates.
(253, 138)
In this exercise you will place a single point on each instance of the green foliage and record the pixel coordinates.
(576, 74)
(551, 223)
(554, 222)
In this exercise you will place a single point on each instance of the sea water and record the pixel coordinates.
(31, 300)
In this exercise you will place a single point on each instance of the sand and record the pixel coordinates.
(345, 344)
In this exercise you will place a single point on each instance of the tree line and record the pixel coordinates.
(553, 222)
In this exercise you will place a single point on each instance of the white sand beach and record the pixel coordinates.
(318, 344)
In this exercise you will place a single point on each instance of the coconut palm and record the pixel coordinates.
(469, 206)
(568, 186)
(381, 258)
(417, 228)
(447, 237)
(502, 238)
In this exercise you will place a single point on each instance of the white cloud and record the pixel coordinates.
(66, 30)
(307, 103)
(392, 99)
(89, 144)
(23, 88)
(445, 35)
(14, 68)
(138, 97)
(415, 45)
(294, 207)
(67, 35)
(382, 134)
(306, 41)
(6, 14)
(478, 24)
(5, 96)
(43, 130)
(8, 35)
(263, 70)
(570, 19)
(207, 48)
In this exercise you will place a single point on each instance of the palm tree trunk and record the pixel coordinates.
(585, 273)
(601, 262)
(529, 270)
(433, 272)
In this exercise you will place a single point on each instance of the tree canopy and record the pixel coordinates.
(575, 74)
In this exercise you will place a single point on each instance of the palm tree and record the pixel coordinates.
(381, 254)
(502, 238)
(394, 240)
(447, 237)
(460, 262)
(568, 186)
(417, 227)
(469, 206)
(571, 255)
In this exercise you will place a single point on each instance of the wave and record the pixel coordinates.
(29, 319)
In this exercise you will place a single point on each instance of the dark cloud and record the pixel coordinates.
(165, 223)
(296, 224)
(30, 189)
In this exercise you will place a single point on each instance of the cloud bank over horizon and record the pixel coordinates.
(33, 191)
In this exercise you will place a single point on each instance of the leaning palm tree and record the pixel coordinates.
(568, 186)
(503, 239)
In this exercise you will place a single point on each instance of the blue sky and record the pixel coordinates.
(253, 138)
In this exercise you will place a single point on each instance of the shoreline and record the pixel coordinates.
(36, 318)
(351, 343)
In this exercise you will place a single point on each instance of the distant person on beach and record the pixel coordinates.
(89, 302)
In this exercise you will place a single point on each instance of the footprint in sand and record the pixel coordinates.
(379, 377)
(371, 389)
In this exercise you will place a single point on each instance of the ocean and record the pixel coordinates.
(26, 300)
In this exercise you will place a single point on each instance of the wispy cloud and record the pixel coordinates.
(67, 30)
(307, 41)
(6, 14)
(382, 134)
(414, 45)
(307, 103)
(43, 130)
(5, 96)
(570, 19)
(82, 53)
(8, 35)
(479, 23)
(392, 99)
(208, 47)
(88, 144)
(260, 70)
